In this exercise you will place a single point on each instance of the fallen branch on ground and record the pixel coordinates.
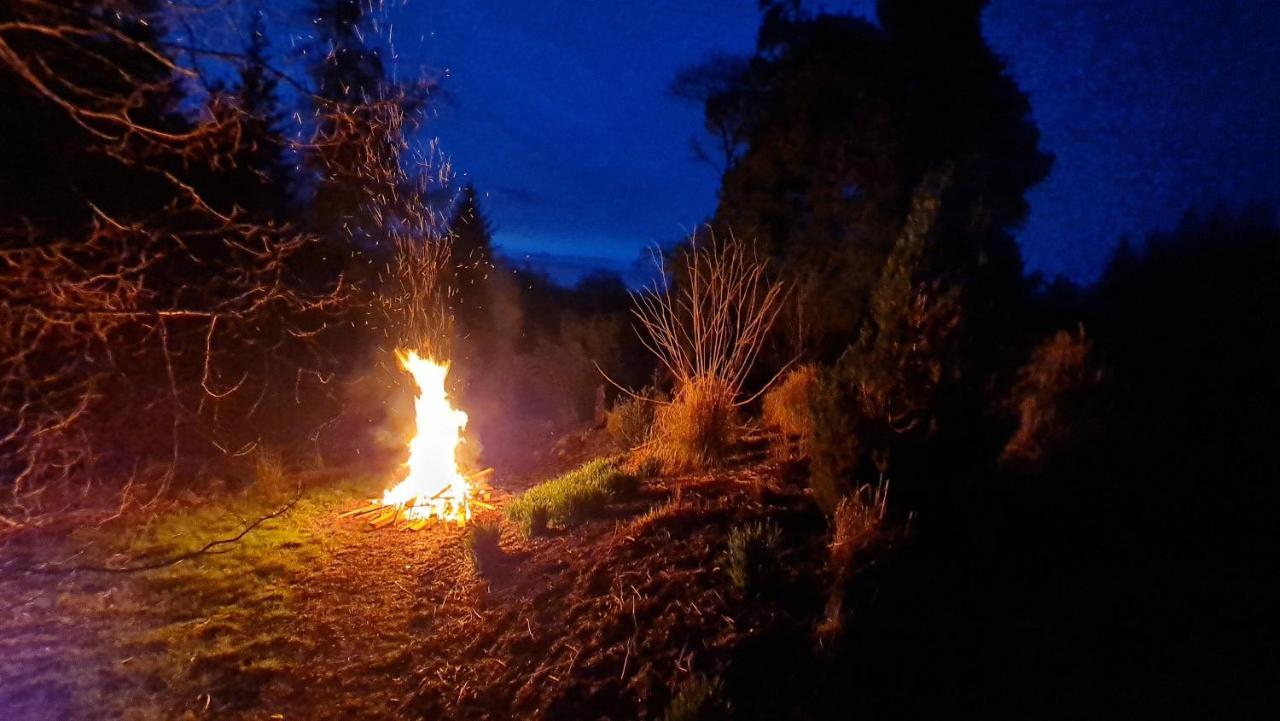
(206, 549)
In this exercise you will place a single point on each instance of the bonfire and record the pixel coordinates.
(433, 486)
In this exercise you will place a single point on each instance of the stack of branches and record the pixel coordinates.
(149, 330)
(707, 334)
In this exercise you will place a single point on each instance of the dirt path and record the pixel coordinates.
(367, 610)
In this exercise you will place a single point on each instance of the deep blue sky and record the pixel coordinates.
(558, 111)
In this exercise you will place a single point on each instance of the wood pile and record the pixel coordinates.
(381, 515)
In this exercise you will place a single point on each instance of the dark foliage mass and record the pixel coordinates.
(146, 266)
(1067, 455)
(832, 125)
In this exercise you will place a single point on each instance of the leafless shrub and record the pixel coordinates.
(149, 335)
(707, 335)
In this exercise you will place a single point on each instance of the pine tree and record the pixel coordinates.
(347, 70)
(349, 79)
(471, 262)
(887, 394)
(264, 175)
(842, 119)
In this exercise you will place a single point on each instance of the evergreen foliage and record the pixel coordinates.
(834, 121)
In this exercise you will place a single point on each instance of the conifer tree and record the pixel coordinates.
(835, 122)
(471, 256)
(348, 78)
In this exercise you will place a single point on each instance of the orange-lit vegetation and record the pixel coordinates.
(788, 408)
(706, 333)
(1055, 399)
(571, 498)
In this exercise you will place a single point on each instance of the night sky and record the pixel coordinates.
(559, 112)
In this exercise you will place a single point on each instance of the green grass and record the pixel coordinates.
(481, 544)
(751, 559)
(221, 623)
(572, 498)
(698, 699)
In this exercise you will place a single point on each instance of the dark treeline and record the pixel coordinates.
(1085, 468)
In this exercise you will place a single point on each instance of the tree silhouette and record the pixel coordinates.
(842, 121)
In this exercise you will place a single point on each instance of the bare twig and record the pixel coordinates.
(206, 549)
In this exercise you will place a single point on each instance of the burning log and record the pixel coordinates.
(373, 507)
(434, 486)
(385, 517)
(417, 513)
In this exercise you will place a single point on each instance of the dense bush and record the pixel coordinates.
(1055, 398)
(888, 392)
(788, 407)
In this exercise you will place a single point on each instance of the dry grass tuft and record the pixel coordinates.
(270, 478)
(787, 407)
(641, 463)
(858, 532)
(673, 515)
(695, 429)
(857, 527)
(631, 419)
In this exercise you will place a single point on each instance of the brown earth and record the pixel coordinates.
(324, 618)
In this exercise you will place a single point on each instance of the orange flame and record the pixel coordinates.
(433, 487)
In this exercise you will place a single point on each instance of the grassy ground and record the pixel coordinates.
(315, 617)
(215, 631)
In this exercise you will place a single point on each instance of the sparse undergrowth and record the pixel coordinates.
(787, 407)
(322, 621)
(698, 699)
(214, 631)
(570, 499)
(221, 624)
(751, 559)
(482, 545)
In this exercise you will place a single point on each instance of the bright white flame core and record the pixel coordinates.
(433, 486)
